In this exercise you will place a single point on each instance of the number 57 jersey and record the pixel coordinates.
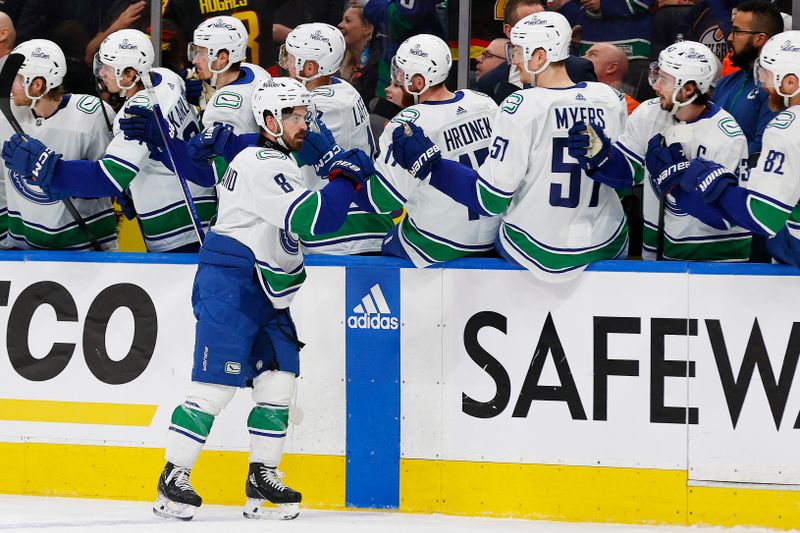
(437, 228)
(558, 219)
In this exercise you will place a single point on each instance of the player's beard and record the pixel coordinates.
(746, 57)
(295, 144)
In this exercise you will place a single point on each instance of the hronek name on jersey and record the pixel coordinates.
(373, 312)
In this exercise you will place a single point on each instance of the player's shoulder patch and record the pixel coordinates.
(227, 99)
(88, 104)
(324, 92)
(729, 127)
(511, 104)
(408, 115)
(652, 101)
(782, 120)
(265, 154)
(138, 100)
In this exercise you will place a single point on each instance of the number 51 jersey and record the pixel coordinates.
(558, 219)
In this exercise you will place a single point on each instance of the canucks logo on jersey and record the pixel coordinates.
(30, 192)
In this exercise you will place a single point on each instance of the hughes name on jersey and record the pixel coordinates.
(556, 219)
(77, 130)
(156, 193)
(437, 228)
(341, 109)
(716, 136)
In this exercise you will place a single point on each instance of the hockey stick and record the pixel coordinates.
(7, 76)
(163, 128)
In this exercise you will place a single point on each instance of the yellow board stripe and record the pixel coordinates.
(117, 414)
(121, 473)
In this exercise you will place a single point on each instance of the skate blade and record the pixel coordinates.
(281, 511)
(166, 508)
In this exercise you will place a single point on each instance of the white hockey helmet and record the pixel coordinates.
(686, 61)
(275, 95)
(43, 59)
(425, 55)
(779, 58)
(318, 42)
(125, 49)
(217, 34)
(547, 30)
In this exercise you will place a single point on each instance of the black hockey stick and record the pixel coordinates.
(384, 108)
(662, 205)
(7, 75)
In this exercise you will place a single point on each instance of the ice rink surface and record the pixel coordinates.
(28, 513)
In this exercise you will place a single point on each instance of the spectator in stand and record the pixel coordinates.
(709, 22)
(133, 16)
(11, 8)
(668, 16)
(363, 51)
(611, 65)
(754, 22)
(492, 57)
(398, 20)
(498, 82)
(627, 24)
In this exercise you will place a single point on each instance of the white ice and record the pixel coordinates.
(39, 514)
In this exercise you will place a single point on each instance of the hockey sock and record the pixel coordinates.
(267, 426)
(187, 434)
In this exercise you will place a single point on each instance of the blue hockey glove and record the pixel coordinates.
(140, 124)
(126, 205)
(414, 151)
(708, 178)
(665, 164)
(320, 150)
(210, 143)
(32, 160)
(194, 88)
(354, 166)
(579, 146)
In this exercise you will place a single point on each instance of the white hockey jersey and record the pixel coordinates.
(264, 204)
(774, 185)
(716, 136)
(232, 104)
(77, 130)
(5, 133)
(156, 192)
(437, 227)
(556, 220)
(342, 110)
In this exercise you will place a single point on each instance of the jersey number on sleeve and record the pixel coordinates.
(774, 162)
(559, 166)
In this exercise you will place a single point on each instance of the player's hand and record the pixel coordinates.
(140, 124)
(354, 166)
(320, 150)
(194, 88)
(414, 151)
(665, 164)
(708, 178)
(31, 159)
(209, 143)
(589, 145)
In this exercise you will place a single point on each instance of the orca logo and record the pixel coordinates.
(29, 191)
(373, 312)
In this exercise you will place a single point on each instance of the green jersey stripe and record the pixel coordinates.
(771, 217)
(438, 251)
(381, 197)
(304, 215)
(355, 225)
(219, 166)
(560, 261)
(121, 175)
(491, 201)
(717, 248)
(73, 237)
(177, 217)
(280, 282)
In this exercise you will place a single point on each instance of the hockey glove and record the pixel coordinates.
(589, 145)
(354, 166)
(665, 164)
(414, 151)
(320, 150)
(194, 88)
(32, 160)
(708, 178)
(125, 203)
(210, 143)
(140, 124)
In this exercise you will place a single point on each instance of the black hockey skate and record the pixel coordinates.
(176, 497)
(264, 485)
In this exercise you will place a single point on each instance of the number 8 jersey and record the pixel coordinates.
(558, 219)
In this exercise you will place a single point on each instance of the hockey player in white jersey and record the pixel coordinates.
(437, 227)
(683, 118)
(555, 220)
(71, 124)
(124, 58)
(768, 202)
(244, 330)
(312, 54)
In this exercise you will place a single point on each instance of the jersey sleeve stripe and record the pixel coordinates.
(121, 177)
(400, 198)
(629, 153)
(768, 215)
(495, 190)
(769, 200)
(382, 198)
(122, 162)
(297, 216)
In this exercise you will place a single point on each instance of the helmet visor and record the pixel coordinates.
(97, 65)
(283, 58)
(659, 79)
(193, 50)
(398, 76)
(764, 77)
